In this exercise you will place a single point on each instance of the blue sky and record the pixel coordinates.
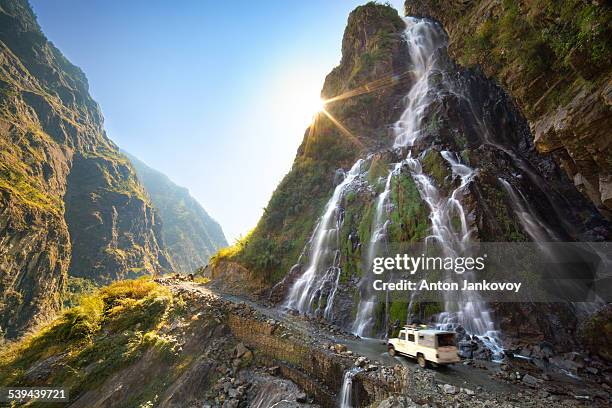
(216, 95)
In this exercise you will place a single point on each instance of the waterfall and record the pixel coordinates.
(364, 319)
(346, 393)
(422, 42)
(424, 38)
(323, 268)
(536, 229)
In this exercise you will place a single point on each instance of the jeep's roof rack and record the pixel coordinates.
(415, 326)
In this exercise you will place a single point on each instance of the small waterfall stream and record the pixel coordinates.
(323, 268)
(536, 229)
(364, 319)
(346, 393)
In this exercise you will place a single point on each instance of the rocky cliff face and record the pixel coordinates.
(554, 59)
(472, 144)
(114, 228)
(190, 234)
(70, 202)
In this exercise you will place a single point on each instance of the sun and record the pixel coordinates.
(295, 99)
(318, 105)
(309, 104)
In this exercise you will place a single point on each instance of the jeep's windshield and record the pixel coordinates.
(446, 339)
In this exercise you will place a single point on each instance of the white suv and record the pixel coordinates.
(435, 346)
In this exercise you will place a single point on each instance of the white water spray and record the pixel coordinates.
(346, 393)
(323, 267)
(364, 319)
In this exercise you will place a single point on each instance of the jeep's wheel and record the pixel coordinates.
(392, 351)
(421, 360)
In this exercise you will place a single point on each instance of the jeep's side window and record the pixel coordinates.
(411, 337)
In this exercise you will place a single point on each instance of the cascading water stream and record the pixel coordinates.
(323, 267)
(407, 129)
(532, 225)
(364, 319)
(346, 393)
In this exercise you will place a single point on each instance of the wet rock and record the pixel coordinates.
(449, 389)
(340, 348)
(530, 380)
(465, 349)
(361, 362)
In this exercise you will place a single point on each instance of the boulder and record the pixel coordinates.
(340, 348)
(240, 350)
(449, 389)
(530, 380)
(361, 361)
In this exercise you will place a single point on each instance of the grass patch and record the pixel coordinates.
(107, 330)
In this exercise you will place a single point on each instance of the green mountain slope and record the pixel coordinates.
(190, 234)
(70, 202)
(373, 57)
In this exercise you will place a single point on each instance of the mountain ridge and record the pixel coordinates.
(190, 234)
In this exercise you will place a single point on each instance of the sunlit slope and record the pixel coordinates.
(363, 95)
(69, 201)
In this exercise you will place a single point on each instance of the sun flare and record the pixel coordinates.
(310, 104)
(318, 105)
